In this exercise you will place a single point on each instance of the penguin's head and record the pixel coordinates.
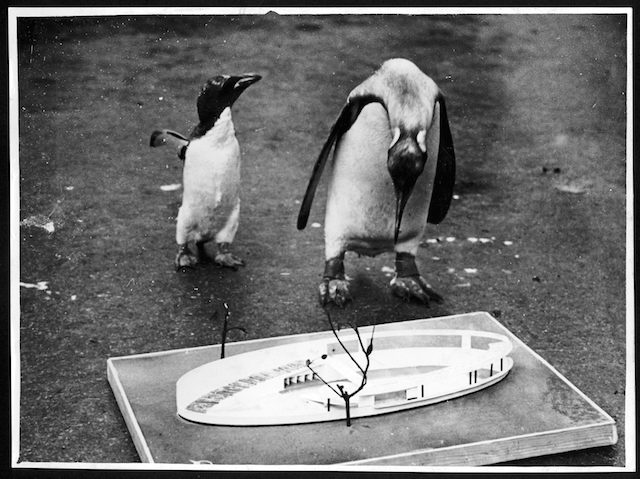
(218, 93)
(405, 162)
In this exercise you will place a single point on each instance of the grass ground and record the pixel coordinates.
(537, 110)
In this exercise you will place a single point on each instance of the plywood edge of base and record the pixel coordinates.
(127, 413)
(506, 449)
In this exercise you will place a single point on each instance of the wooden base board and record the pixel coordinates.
(533, 412)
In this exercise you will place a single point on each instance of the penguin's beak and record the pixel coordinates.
(405, 163)
(235, 85)
(403, 193)
(243, 81)
(401, 201)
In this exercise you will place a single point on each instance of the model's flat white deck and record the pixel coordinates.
(533, 412)
(407, 368)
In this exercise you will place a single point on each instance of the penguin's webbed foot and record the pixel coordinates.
(334, 291)
(226, 259)
(185, 258)
(414, 287)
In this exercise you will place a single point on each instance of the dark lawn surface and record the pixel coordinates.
(537, 110)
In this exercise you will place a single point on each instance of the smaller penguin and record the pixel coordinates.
(210, 207)
(392, 172)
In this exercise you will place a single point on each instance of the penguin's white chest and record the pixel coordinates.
(361, 201)
(211, 181)
(211, 171)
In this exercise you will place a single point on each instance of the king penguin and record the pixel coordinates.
(211, 175)
(392, 172)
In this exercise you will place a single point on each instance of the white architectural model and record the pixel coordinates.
(291, 384)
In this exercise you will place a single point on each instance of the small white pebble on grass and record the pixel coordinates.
(285, 273)
(68, 188)
(73, 297)
(472, 240)
(471, 270)
(39, 221)
(172, 187)
(316, 225)
(387, 269)
(432, 240)
(516, 256)
(506, 271)
(451, 270)
(507, 243)
(41, 285)
(435, 258)
(456, 197)
(484, 240)
(463, 285)
(450, 239)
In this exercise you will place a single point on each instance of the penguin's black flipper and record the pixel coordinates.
(345, 120)
(445, 170)
(164, 137)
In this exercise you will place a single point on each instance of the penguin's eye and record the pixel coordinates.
(421, 139)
